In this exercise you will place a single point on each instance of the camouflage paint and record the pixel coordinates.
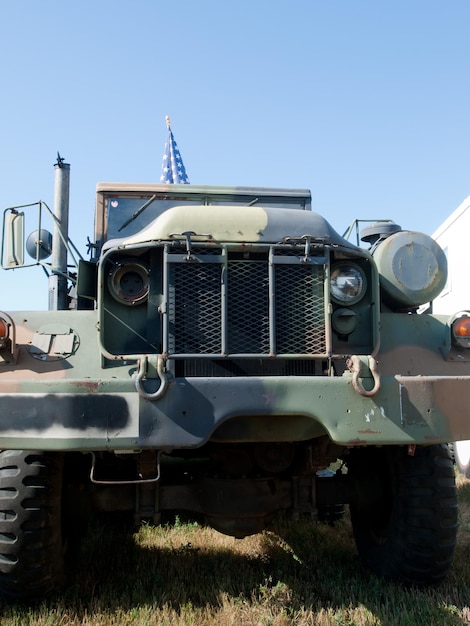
(70, 401)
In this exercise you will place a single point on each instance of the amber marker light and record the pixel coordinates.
(461, 331)
(4, 334)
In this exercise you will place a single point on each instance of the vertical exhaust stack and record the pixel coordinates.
(58, 280)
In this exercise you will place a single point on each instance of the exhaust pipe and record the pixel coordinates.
(58, 297)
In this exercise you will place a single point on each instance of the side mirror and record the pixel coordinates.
(13, 239)
(39, 245)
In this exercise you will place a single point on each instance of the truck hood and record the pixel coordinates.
(234, 223)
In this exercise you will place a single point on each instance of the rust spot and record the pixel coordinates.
(369, 431)
(91, 386)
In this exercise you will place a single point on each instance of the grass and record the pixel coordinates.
(187, 574)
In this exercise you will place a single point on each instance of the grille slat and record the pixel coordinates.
(221, 305)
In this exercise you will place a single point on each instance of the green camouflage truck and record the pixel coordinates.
(225, 350)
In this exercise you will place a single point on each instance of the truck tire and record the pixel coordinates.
(405, 515)
(461, 456)
(31, 547)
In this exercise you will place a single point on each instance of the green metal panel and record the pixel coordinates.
(70, 401)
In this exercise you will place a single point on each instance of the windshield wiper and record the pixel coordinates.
(138, 212)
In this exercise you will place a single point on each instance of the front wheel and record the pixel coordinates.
(31, 546)
(404, 517)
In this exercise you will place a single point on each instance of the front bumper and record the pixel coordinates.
(100, 415)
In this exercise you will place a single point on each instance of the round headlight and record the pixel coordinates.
(348, 283)
(129, 282)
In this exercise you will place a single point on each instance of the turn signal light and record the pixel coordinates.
(461, 331)
(8, 348)
(4, 334)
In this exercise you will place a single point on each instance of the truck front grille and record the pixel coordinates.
(261, 303)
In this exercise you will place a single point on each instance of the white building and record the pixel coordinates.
(453, 237)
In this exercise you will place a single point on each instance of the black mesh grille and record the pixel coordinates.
(223, 368)
(300, 317)
(248, 307)
(235, 305)
(195, 308)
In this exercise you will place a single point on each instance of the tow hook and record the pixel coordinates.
(355, 365)
(145, 365)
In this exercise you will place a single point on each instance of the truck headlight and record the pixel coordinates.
(128, 282)
(348, 283)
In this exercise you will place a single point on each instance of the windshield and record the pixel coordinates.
(124, 210)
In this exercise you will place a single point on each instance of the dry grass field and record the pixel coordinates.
(186, 574)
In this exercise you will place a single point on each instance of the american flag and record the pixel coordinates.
(173, 170)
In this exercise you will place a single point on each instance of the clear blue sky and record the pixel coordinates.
(364, 102)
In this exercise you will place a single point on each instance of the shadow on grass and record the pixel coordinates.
(295, 569)
(299, 567)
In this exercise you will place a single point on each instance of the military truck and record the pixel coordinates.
(230, 355)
